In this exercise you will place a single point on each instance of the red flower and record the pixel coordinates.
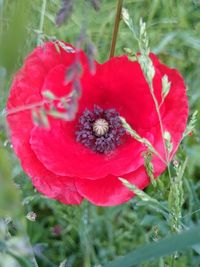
(83, 158)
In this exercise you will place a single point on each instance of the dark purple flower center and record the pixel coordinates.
(100, 129)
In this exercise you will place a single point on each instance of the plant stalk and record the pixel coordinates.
(41, 26)
(116, 27)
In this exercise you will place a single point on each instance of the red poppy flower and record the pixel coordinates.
(83, 158)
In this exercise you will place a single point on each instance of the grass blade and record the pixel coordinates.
(158, 249)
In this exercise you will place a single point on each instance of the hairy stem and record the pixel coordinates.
(116, 27)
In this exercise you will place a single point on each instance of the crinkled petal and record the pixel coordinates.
(25, 91)
(110, 191)
(53, 186)
(174, 110)
(53, 151)
(174, 113)
(119, 83)
(59, 151)
(55, 81)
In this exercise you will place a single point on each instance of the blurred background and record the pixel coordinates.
(36, 231)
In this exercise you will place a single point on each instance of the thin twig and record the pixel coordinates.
(116, 27)
(22, 108)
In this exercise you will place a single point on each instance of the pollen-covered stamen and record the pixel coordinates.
(100, 130)
(100, 127)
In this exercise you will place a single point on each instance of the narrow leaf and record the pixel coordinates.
(155, 250)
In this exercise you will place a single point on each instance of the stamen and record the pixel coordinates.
(100, 130)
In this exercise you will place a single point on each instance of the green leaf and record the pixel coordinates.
(155, 250)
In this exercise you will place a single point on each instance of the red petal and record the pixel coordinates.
(174, 112)
(110, 191)
(25, 90)
(119, 83)
(55, 157)
(55, 81)
(53, 186)
(59, 151)
(175, 109)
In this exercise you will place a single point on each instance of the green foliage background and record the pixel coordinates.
(86, 235)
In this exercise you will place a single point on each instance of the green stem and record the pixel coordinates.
(41, 26)
(116, 27)
(172, 261)
(161, 128)
(85, 238)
